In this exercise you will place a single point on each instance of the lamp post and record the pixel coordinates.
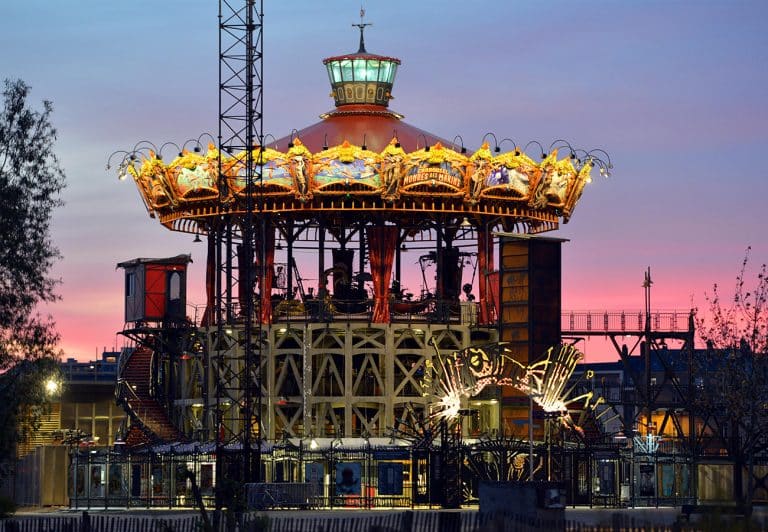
(531, 395)
(530, 438)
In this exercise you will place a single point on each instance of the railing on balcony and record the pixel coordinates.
(314, 310)
(98, 371)
(623, 321)
(464, 312)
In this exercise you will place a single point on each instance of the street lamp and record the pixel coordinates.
(51, 386)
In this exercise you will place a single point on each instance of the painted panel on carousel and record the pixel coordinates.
(153, 182)
(437, 170)
(556, 177)
(347, 168)
(193, 176)
(275, 174)
(511, 176)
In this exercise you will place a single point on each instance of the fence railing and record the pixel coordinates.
(623, 321)
(382, 521)
(314, 310)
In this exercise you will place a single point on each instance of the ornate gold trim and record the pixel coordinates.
(510, 186)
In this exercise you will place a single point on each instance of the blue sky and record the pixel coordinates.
(675, 91)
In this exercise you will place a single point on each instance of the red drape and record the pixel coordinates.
(243, 260)
(485, 283)
(382, 241)
(493, 283)
(269, 273)
(265, 284)
(210, 283)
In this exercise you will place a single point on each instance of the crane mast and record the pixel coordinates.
(236, 350)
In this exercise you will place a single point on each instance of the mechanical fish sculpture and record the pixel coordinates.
(452, 379)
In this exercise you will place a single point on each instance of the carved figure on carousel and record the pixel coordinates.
(538, 194)
(300, 169)
(152, 179)
(481, 161)
(392, 170)
(558, 182)
(553, 185)
(582, 178)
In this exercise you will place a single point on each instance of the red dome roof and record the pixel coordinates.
(361, 84)
(372, 125)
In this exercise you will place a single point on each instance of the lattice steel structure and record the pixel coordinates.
(236, 357)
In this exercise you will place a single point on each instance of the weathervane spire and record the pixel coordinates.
(362, 26)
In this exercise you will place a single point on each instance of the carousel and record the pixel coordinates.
(377, 248)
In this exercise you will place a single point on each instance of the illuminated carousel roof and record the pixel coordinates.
(361, 86)
(362, 156)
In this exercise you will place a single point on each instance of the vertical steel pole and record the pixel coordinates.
(530, 429)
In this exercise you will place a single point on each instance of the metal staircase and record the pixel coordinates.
(134, 393)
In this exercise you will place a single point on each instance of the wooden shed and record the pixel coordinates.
(156, 289)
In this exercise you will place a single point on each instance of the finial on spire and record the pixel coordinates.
(362, 26)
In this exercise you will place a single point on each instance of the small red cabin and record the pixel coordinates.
(156, 289)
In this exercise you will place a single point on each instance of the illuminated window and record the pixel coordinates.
(346, 70)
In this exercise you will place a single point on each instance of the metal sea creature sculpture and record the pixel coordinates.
(453, 379)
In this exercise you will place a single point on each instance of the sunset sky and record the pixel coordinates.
(675, 91)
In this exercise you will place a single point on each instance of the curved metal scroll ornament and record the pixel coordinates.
(453, 379)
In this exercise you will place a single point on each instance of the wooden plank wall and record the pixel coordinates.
(530, 306)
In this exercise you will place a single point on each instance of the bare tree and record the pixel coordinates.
(732, 374)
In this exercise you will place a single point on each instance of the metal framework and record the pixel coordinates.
(238, 358)
(653, 408)
(338, 363)
(648, 333)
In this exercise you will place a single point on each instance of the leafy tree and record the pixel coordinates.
(31, 181)
(26, 391)
(732, 373)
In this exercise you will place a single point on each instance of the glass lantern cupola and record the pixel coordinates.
(361, 78)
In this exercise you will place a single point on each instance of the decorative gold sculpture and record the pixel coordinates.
(510, 186)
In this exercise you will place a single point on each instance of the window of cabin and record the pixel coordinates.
(130, 284)
(174, 287)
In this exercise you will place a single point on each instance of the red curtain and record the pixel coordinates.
(210, 283)
(269, 272)
(243, 259)
(382, 241)
(493, 283)
(265, 285)
(488, 282)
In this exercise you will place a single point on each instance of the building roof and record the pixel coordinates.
(363, 124)
(178, 259)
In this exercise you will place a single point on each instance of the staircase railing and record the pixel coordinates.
(126, 396)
